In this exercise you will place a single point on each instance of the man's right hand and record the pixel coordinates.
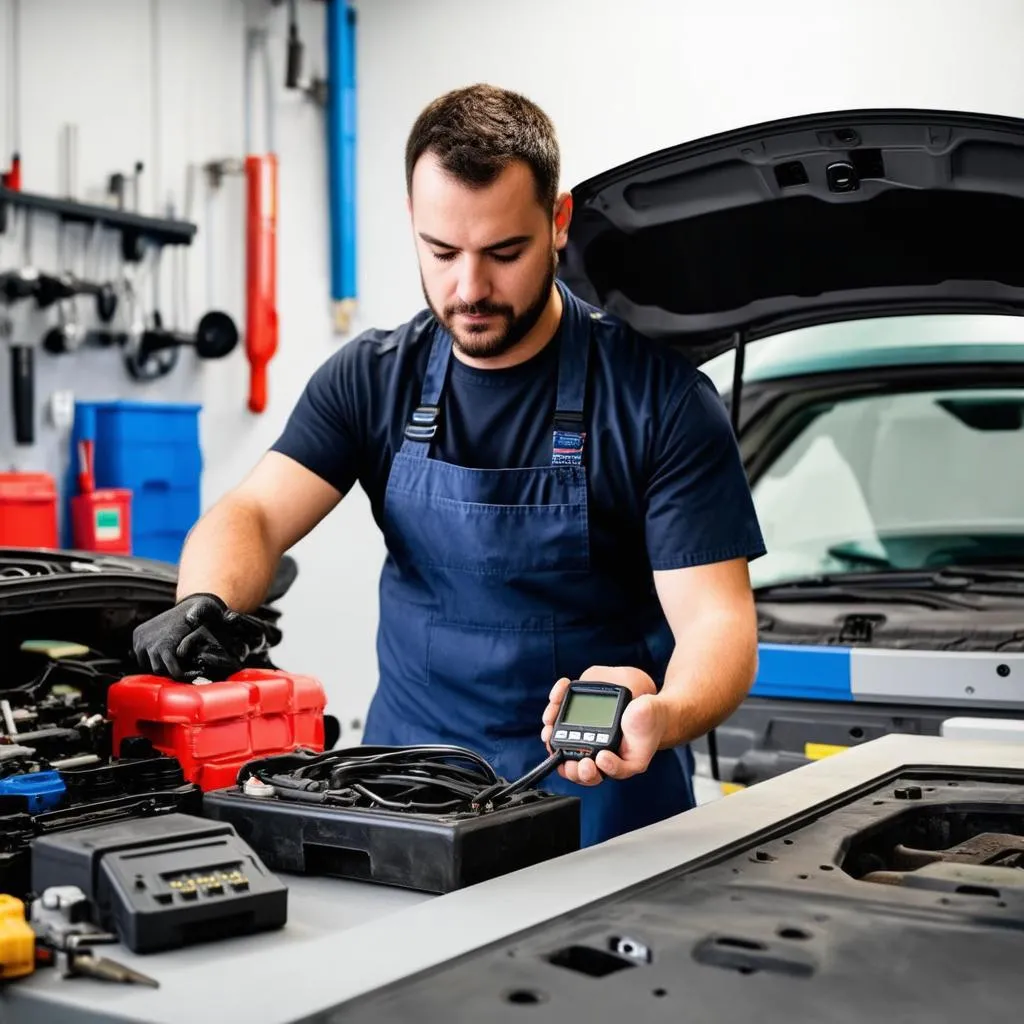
(199, 636)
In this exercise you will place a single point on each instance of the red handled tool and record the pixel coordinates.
(261, 332)
(261, 326)
(12, 179)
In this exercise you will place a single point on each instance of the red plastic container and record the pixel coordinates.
(215, 728)
(102, 521)
(28, 510)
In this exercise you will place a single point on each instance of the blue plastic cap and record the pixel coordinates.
(42, 790)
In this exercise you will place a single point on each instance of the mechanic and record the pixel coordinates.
(560, 497)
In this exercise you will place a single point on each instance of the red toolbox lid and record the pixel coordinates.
(249, 693)
(27, 487)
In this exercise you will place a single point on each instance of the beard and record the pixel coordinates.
(486, 341)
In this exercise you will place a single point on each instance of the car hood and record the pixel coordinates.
(803, 221)
(35, 578)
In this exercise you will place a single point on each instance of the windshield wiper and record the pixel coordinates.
(908, 585)
(809, 590)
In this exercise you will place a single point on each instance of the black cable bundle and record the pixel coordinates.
(425, 779)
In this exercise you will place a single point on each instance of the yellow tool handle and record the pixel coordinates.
(17, 940)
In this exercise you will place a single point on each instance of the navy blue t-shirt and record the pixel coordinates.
(666, 488)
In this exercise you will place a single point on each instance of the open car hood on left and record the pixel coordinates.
(36, 578)
(33, 578)
(803, 221)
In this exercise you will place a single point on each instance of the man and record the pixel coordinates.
(560, 498)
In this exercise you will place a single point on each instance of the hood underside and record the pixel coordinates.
(808, 220)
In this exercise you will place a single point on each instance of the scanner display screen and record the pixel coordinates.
(592, 709)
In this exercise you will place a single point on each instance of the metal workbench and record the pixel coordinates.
(344, 940)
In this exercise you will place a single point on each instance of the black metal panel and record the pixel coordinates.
(883, 906)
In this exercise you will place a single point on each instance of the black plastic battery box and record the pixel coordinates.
(428, 852)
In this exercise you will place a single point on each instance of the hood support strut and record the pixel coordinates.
(739, 340)
(739, 344)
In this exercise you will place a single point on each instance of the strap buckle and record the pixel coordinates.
(568, 439)
(570, 422)
(422, 425)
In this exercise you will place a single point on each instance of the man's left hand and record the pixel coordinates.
(644, 723)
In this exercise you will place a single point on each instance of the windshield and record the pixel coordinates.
(901, 481)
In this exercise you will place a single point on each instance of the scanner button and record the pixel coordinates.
(603, 737)
(561, 734)
(589, 737)
(574, 735)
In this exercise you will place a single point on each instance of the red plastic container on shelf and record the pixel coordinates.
(101, 520)
(215, 728)
(28, 510)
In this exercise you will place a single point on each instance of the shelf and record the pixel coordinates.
(134, 227)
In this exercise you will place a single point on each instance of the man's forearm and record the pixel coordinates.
(228, 553)
(710, 673)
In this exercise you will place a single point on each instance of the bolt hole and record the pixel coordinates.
(1000, 904)
(763, 856)
(524, 997)
(747, 970)
(857, 732)
(827, 867)
(953, 783)
(659, 992)
(801, 876)
(787, 842)
(1003, 670)
(878, 803)
(944, 900)
(793, 933)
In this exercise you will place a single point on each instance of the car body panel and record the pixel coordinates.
(750, 233)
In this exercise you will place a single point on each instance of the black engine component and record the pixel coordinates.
(164, 883)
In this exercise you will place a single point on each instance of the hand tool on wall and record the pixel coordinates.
(11, 178)
(314, 87)
(153, 352)
(16, 286)
(261, 329)
(64, 287)
(341, 140)
(216, 335)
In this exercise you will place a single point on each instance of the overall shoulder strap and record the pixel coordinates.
(423, 423)
(568, 436)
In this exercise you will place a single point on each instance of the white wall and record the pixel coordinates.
(619, 79)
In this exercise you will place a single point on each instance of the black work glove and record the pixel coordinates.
(199, 637)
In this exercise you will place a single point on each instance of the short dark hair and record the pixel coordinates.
(477, 131)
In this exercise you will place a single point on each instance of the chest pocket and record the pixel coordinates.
(488, 522)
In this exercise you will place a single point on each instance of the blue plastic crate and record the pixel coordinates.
(152, 449)
(164, 547)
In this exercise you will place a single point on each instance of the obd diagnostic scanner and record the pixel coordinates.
(590, 720)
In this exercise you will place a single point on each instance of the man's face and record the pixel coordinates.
(487, 255)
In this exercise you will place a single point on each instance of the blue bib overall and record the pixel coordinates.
(488, 596)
